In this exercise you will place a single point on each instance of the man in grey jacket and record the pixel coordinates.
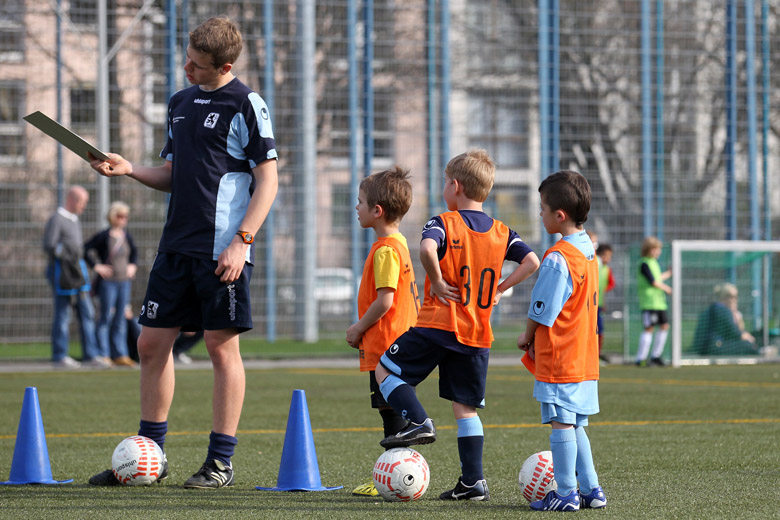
(67, 274)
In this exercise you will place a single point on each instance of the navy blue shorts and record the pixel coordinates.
(600, 321)
(183, 291)
(462, 376)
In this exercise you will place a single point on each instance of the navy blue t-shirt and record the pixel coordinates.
(215, 138)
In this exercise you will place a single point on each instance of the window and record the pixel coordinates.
(342, 209)
(498, 122)
(12, 31)
(12, 106)
(83, 12)
(82, 106)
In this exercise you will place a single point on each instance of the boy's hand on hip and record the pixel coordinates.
(444, 292)
(231, 261)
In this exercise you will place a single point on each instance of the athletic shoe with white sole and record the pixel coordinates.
(212, 475)
(555, 502)
(107, 478)
(412, 435)
(366, 490)
(596, 499)
(478, 491)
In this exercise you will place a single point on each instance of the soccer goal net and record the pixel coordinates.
(725, 301)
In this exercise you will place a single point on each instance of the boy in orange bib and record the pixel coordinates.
(561, 343)
(462, 252)
(387, 299)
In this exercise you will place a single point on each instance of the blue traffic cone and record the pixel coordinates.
(30, 464)
(299, 470)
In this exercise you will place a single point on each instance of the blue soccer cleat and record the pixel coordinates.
(555, 502)
(596, 499)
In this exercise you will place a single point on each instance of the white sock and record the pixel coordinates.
(644, 345)
(660, 343)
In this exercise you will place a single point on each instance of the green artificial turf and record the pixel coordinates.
(693, 442)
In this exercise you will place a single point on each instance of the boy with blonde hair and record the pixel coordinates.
(652, 291)
(387, 299)
(462, 252)
(561, 345)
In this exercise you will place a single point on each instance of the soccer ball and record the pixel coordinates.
(137, 461)
(401, 475)
(536, 477)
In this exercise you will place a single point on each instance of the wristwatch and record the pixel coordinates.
(246, 236)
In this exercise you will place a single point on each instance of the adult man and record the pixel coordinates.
(67, 274)
(220, 168)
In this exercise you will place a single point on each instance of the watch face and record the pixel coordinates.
(248, 238)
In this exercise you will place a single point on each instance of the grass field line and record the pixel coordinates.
(625, 380)
(683, 422)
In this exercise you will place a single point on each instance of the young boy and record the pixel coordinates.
(606, 284)
(652, 291)
(561, 345)
(220, 169)
(387, 300)
(462, 252)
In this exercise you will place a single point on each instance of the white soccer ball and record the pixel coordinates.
(536, 477)
(137, 461)
(401, 475)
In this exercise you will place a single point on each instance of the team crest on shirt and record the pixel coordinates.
(211, 120)
(538, 307)
(151, 309)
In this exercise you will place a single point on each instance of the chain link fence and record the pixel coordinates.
(666, 107)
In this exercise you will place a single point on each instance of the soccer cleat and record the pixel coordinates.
(596, 499)
(107, 478)
(212, 475)
(555, 502)
(478, 491)
(366, 490)
(657, 361)
(412, 435)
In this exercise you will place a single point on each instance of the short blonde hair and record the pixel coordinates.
(648, 244)
(724, 291)
(115, 209)
(475, 170)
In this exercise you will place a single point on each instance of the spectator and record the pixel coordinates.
(606, 284)
(67, 275)
(112, 255)
(720, 330)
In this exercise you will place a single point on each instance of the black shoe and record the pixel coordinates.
(212, 475)
(477, 491)
(107, 478)
(411, 435)
(657, 361)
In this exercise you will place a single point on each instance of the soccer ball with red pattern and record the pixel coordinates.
(137, 461)
(536, 477)
(401, 475)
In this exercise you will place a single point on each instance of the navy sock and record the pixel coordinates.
(155, 431)
(471, 440)
(391, 421)
(404, 400)
(221, 447)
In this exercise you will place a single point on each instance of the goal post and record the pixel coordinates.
(714, 282)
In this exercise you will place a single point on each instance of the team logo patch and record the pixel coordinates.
(264, 113)
(151, 309)
(393, 348)
(538, 307)
(211, 120)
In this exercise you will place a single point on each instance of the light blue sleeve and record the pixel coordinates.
(553, 287)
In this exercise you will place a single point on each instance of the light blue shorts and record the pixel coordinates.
(552, 412)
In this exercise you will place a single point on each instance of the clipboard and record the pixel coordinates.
(62, 135)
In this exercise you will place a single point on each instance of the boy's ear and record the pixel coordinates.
(224, 69)
(378, 211)
(560, 215)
